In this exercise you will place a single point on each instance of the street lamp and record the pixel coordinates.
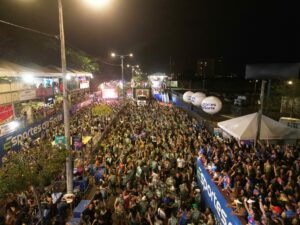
(290, 83)
(69, 166)
(122, 67)
(132, 69)
(98, 3)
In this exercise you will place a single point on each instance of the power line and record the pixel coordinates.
(56, 37)
(30, 29)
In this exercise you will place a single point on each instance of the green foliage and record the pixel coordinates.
(25, 47)
(283, 89)
(79, 59)
(289, 90)
(35, 167)
(140, 78)
(101, 110)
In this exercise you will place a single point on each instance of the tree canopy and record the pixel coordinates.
(24, 47)
(33, 167)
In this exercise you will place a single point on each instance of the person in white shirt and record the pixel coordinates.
(180, 162)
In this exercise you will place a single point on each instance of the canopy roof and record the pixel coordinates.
(10, 69)
(245, 127)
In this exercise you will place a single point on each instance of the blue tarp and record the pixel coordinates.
(80, 208)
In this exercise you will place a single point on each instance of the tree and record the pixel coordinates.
(32, 168)
(24, 47)
(101, 110)
(284, 92)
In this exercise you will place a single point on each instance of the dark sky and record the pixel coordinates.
(242, 31)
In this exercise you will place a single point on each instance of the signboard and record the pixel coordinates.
(173, 83)
(84, 83)
(6, 112)
(14, 140)
(213, 197)
(142, 92)
(60, 140)
(27, 95)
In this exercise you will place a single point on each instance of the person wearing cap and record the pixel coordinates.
(238, 208)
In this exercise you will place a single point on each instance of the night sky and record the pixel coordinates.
(242, 31)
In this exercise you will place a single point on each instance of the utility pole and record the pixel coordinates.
(69, 166)
(262, 96)
(122, 66)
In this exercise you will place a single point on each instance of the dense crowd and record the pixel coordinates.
(148, 170)
(263, 183)
(21, 208)
(148, 159)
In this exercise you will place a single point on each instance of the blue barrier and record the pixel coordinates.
(14, 140)
(213, 197)
(80, 208)
(83, 184)
(158, 97)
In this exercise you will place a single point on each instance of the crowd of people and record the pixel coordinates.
(262, 183)
(149, 161)
(22, 208)
(148, 164)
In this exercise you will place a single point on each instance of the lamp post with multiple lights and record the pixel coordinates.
(122, 57)
(133, 68)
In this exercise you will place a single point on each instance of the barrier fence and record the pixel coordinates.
(213, 198)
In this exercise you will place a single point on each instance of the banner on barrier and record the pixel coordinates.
(14, 140)
(213, 197)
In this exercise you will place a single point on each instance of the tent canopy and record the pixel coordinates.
(10, 69)
(245, 127)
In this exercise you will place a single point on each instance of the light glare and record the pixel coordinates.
(13, 125)
(28, 78)
(68, 76)
(98, 3)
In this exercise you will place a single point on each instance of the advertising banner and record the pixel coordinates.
(14, 140)
(142, 92)
(213, 197)
(6, 112)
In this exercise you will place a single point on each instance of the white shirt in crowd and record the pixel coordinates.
(180, 162)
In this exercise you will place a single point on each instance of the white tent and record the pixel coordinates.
(245, 127)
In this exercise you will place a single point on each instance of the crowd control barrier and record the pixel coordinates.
(13, 141)
(213, 198)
